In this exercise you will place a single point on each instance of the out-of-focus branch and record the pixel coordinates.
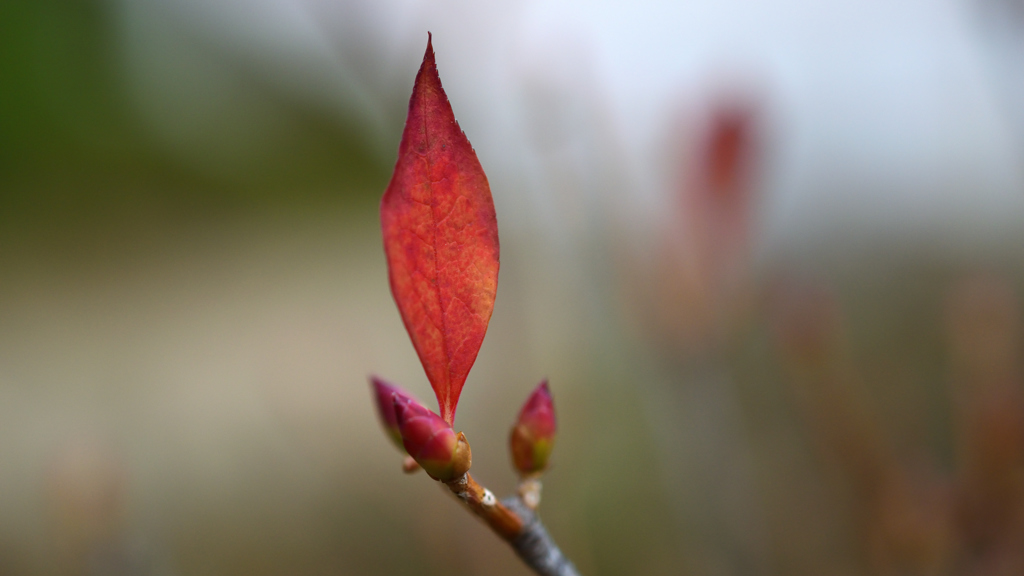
(534, 545)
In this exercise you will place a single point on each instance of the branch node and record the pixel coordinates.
(488, 500)
(460, 487)
(529, 492)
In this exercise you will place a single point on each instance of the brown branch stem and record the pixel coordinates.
(516, 523)
(484, 504)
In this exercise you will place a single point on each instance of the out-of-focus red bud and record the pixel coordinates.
(729, 146)
(384, 394)
(533, 436)
(442, 453)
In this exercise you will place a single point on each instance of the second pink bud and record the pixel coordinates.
(533, 436)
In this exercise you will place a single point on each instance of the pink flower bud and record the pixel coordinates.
(533, 436)
(442, 453)
(384, 394)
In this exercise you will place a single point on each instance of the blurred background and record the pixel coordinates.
(769, 254)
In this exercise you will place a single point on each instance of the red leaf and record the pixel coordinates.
(441, 239)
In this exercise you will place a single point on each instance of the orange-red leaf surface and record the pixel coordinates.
(441, 239)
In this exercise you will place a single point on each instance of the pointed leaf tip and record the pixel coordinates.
(440, 239)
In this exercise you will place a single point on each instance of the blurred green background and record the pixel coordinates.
(76, 152)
